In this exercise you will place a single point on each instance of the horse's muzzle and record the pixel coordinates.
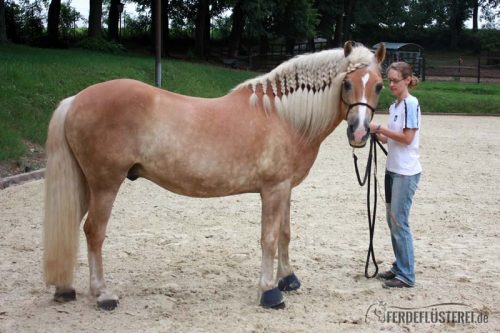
(359, 136)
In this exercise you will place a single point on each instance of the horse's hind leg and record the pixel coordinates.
(101, 202)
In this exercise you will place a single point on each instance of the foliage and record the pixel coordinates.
(138, 25)
(100, 44)
(328, 11)
(489, 40)
(25, 20)
(295, 19)
(69, 16)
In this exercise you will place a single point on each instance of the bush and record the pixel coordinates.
(490, 40)
(101, 45)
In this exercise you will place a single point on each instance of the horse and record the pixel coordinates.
(262, 137)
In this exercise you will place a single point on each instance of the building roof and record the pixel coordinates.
(400, 46)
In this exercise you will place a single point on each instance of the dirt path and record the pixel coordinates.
(191, 265)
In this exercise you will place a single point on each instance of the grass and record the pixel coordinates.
(33, 81)
(452, 97)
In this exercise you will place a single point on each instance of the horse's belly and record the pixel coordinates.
(195, 184)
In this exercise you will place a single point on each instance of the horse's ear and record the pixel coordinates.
(347, 48)
(380, 53)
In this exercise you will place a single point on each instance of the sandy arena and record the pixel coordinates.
(192, 265)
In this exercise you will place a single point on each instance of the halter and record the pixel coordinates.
(351, 68)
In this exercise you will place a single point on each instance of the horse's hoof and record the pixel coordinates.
(289, 283)
(272, 299)
(65, 296)
(108, 305)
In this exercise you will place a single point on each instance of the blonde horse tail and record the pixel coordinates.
(65, 203)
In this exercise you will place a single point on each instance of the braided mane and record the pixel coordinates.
(306, 89)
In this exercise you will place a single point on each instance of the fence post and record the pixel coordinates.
(422, 60)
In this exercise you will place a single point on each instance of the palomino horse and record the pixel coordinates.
(262, 137)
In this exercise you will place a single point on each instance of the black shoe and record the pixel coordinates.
(395, 283)
(386, 275)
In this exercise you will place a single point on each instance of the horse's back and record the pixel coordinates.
(192, 146)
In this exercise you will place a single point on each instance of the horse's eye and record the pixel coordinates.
(347, 85)
(379, 87)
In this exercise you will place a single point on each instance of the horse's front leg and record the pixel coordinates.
(275, 203)
(95, 231)
(287, 280)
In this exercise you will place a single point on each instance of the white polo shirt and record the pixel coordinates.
(404, 159)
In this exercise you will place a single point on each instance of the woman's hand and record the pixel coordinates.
(374, 128)
(377, 129)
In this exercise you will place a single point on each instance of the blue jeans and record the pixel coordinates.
(399, 192)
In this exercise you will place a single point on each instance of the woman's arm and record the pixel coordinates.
(405, 137)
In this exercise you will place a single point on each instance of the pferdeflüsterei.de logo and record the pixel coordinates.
(457, 313)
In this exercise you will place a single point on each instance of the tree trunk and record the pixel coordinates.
(339, 30)
(3, 25)
(113, 21)
(348, 18)
(475, 14)
(54, 19)
(165, 30)
(339, 25)
(202, 28)
(95, 17)
(453, 25)
(238, 19)
(153, 25)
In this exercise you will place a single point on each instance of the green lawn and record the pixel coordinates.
(452, 97)
(33, 81)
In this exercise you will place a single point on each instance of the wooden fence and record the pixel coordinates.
(484, 67)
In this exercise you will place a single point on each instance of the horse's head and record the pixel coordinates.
(360, 92)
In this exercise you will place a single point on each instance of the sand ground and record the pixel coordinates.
(191, 265)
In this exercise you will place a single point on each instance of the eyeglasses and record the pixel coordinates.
(395, 81)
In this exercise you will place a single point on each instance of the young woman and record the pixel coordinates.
(402, 171)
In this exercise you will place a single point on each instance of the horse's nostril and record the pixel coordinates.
(351, 128)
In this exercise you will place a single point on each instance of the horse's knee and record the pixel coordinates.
(285, 236)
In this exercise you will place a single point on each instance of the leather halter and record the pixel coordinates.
(350, 106)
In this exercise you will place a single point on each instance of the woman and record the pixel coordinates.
(402, 172)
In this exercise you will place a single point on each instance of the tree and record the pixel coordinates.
(349, 6)
(202, 28)
(475, 15)
(113, 20)
(95, 18)
(330, 12)
(165, 30)
(54, 19)
(238, 24)
(69, 16)
(458, 12)
(295, 20)
(490, 12)
(3, 25)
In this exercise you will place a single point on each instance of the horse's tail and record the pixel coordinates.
(65, 203)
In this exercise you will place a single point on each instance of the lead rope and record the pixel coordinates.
(372, 156)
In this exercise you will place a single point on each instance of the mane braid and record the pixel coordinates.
(306, 89)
